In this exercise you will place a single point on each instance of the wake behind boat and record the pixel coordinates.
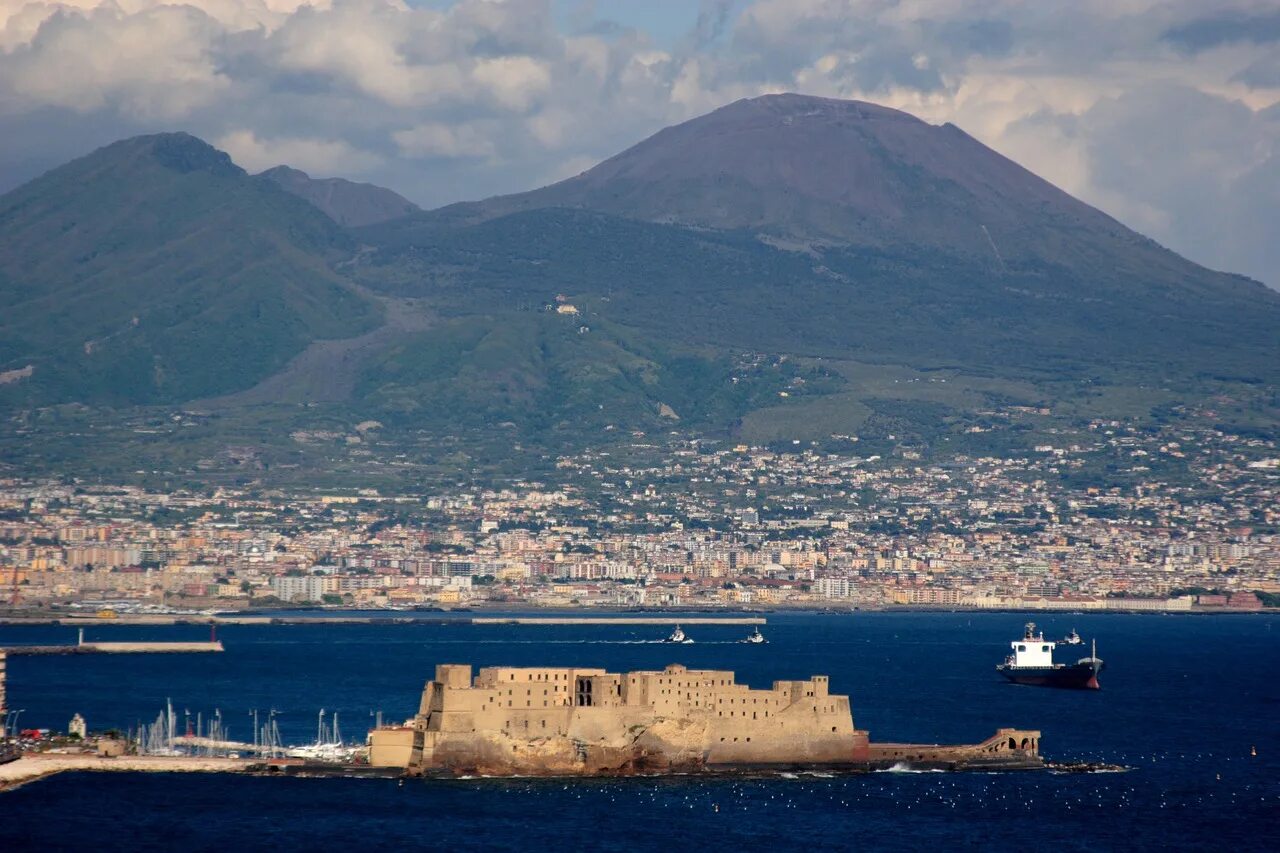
(1032, 663)
(678, 636)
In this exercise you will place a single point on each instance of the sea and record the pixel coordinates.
(1189, 705)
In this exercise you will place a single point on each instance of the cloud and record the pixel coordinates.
(316, 156)
(158, 63)
(444, 141)
(1225, 28)
(1162, 112)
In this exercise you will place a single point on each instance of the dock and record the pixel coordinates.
(33, 766)
(618, 620)
(117, 648)
(391, 618)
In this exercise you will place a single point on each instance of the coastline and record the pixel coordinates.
(481, 614)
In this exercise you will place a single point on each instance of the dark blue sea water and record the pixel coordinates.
(1183, 701)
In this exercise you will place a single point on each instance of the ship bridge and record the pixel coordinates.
(1033, 649)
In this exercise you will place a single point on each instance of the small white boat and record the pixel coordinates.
(678, 636)
(755, 637)
(1072, 639)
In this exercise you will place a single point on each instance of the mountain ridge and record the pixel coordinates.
(782, 267)
(827, 164)
(347, 203)
(155, 269)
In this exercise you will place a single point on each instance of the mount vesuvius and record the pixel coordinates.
(783, 266)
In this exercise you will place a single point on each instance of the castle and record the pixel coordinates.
(567, 721)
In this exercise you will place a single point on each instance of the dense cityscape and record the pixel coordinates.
(1187, 520)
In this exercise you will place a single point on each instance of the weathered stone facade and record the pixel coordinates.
(561, 721)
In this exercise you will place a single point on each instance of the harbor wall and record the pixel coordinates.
(1007, 747)
(137, 647)
(117, 648)
(618, 620)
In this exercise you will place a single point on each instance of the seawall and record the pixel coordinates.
(35, 766)
(119, 648)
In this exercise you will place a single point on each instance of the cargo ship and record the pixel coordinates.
(1032, 663)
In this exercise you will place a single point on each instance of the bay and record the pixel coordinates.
(1185, 701)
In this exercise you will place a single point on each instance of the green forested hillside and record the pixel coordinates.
(919, 307)
(156, 283)
(155, 270)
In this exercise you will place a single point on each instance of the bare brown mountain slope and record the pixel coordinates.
(837, 172)
(345, 202)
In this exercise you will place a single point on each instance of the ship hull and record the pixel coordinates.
(1080, 676)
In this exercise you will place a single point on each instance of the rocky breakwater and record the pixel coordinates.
(33, 766)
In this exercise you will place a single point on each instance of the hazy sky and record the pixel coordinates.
(1164, 114)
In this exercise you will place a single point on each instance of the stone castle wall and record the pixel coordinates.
(561, 720)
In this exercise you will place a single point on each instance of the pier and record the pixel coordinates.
(33, 766)
(80, 647)
(117, 648)
(618, 620)
(392, 618)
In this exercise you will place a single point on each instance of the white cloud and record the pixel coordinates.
(320, 157)
(514, 81)
(155, 64)
(1160, 111)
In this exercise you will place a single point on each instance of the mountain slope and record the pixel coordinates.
(156, 270)
(785, 268)
(345, 202)
(788, 225)
(907, 243)
(839, 172)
